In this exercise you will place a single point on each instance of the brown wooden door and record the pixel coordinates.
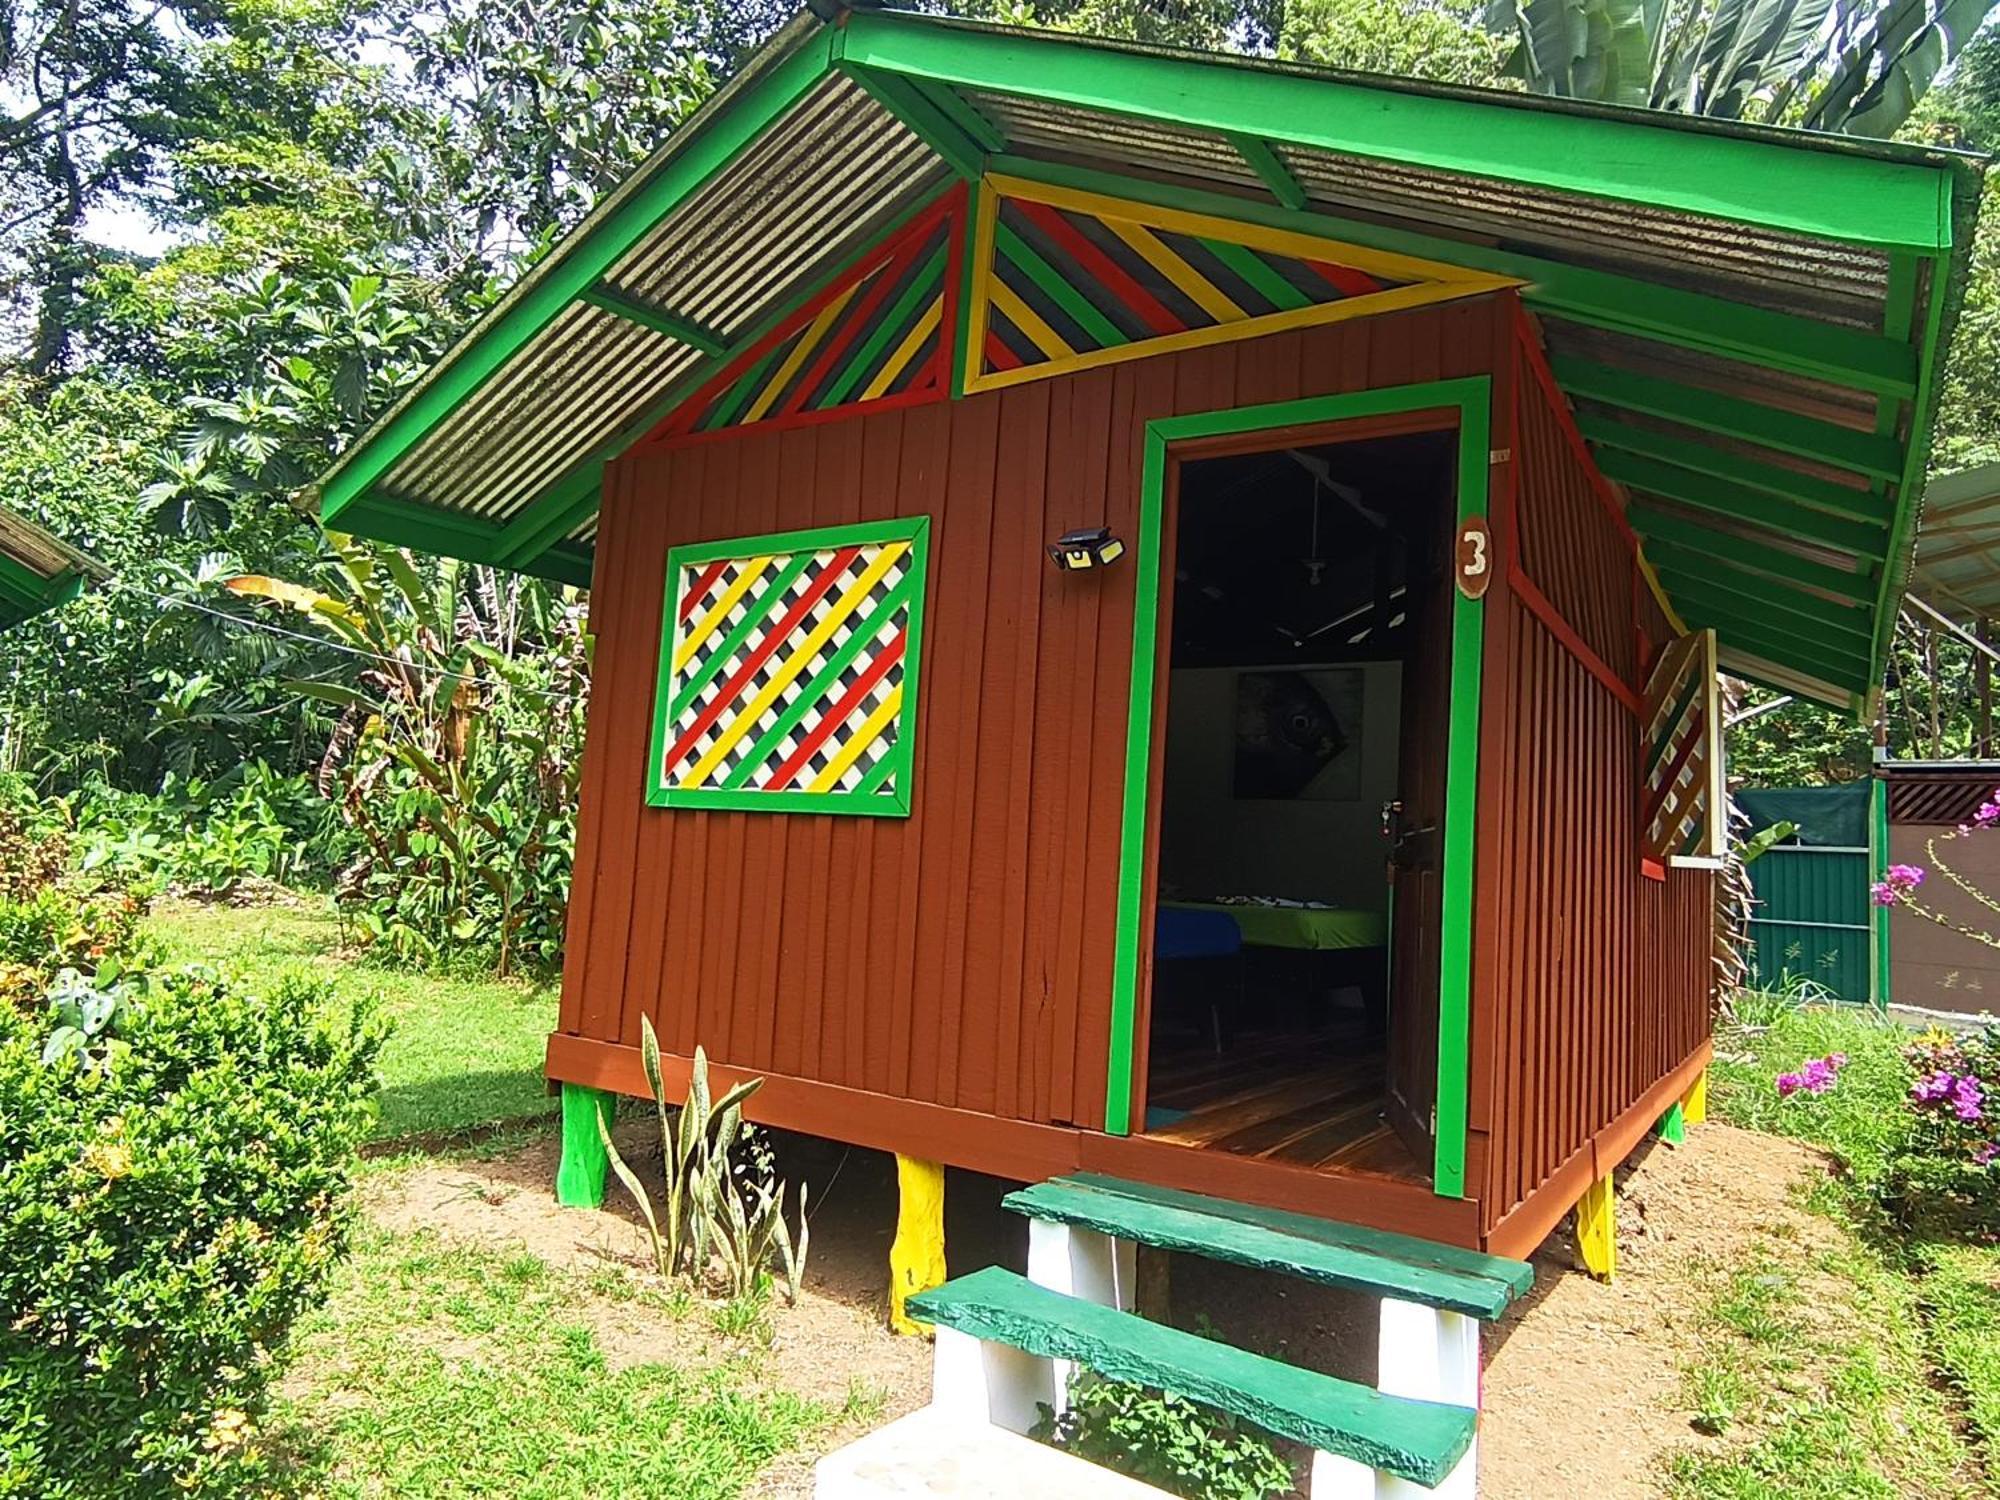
(1417, 849)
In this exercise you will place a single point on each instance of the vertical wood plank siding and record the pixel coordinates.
(798, 945)
(1594, 982)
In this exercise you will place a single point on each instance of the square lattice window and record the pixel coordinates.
(788, 671)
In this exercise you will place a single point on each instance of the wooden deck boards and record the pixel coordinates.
(1307, 1100)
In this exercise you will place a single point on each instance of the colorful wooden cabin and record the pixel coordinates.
(1157, 614)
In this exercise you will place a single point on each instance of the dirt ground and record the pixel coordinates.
(1599, 1363)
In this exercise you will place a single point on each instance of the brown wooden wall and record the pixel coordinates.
(1591, 980)
(799, 946)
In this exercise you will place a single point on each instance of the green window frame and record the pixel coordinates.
(788, 671)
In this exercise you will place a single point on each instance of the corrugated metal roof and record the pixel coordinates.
(801, 199)
(1958, 544)
(825, 173)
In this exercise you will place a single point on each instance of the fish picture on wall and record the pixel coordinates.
(1298, 735)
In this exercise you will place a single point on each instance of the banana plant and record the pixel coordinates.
(1854, 67)
(456, 746)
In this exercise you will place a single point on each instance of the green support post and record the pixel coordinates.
(580, 1173)
(1673, 1124)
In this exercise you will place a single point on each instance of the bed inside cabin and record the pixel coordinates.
(1296, 905)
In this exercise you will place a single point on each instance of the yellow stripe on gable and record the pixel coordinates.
(797, 357)
(795, 660)
(1194, 286)
(752, 571)
(1382, 263)
(1030, 322)
(1395, 300)
(1660, 594)
(905, 351)
(870, 731)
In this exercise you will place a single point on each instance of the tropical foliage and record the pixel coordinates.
(1858, 67)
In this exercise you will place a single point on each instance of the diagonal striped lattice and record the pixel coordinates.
(787, 671)
(877, 334)
(1065, 283)
(1679, 756)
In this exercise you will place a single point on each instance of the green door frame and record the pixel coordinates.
(1470, 399)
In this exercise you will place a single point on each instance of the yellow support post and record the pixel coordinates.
(1597, 1230)
(1694, 1103)
(916, 1259)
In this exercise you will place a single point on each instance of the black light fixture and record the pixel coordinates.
(1074, 551)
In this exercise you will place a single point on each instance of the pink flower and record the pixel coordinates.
(1902, 879)
(1815, 1077)
(1985, 1152)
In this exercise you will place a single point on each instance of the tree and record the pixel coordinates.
(1441, 40)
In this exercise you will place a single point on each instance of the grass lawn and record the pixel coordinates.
(443, 1369)
(465, 1052)
(1865, 1364)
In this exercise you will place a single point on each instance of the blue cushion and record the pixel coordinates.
(1195, 934)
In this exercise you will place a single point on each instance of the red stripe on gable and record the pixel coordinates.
(998, 355)
(1345, 279)
(1150, 309)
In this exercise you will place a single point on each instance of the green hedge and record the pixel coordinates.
(174, 1192)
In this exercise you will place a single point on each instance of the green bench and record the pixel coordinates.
(1006, 1344)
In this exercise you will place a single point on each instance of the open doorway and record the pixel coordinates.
(1294, 1012)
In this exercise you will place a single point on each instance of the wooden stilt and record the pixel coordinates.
(1694, 1103)
(580, 1171)
(1673, 1124)
(1597, 1230)
(916, 1259)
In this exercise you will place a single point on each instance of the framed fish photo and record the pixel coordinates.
(1298, 735)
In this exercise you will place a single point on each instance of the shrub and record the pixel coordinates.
(34, 849)
(174, 1191)
(1165, 1441)
(1947, 1179)
(212, 835)
(59, 929)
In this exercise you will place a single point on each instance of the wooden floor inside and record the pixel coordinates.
(1305, 1099)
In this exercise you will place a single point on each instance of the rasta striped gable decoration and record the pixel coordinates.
(1680, 749)
(880, 333)
(1061, 280)
(1065, 280)
(788, 671)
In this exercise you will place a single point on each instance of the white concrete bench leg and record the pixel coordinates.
(982, 1382)
(1426, 1355)
(1080, 1263)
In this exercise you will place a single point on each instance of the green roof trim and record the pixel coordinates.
(1872, 198)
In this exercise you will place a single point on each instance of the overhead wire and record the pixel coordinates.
(319, 642)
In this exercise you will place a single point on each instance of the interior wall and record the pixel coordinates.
(1310, 850)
